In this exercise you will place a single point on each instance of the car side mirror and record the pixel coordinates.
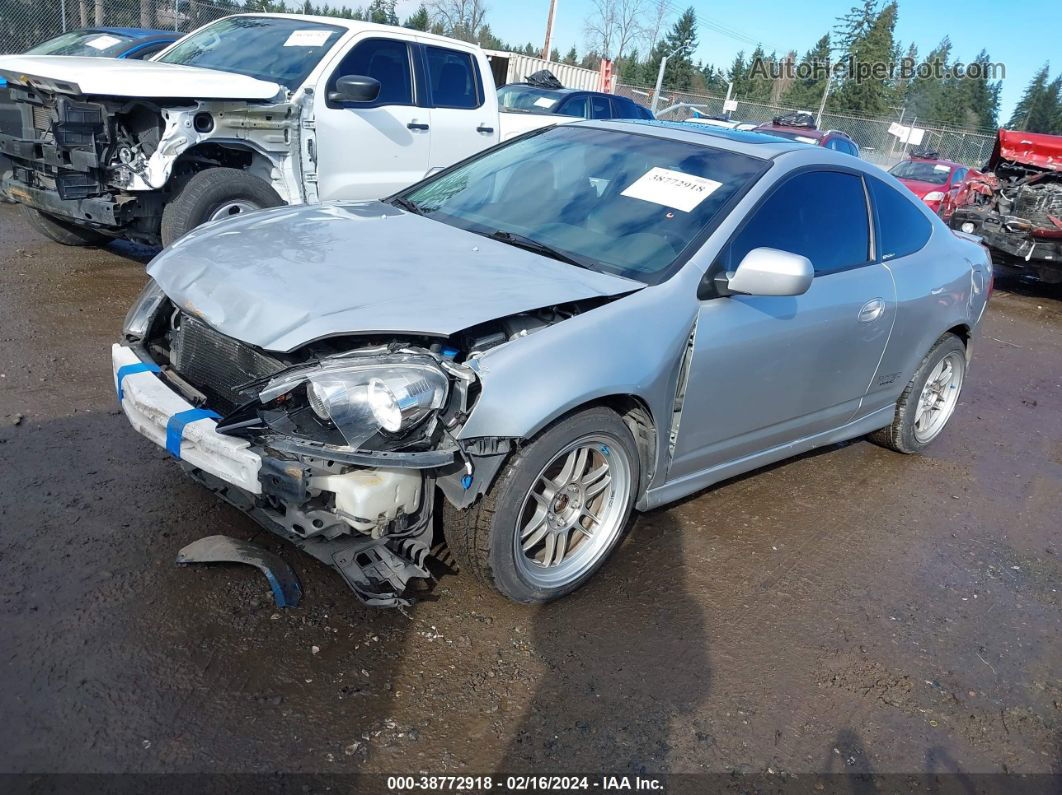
(355, 88)
(768, 271)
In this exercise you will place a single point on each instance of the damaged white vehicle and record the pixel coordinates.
(248, 112)
(588, 319)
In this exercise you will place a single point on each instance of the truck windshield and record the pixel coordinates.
(281, 50)
(93, 43)
(608, 199)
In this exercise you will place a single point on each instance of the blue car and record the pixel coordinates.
(138, 43)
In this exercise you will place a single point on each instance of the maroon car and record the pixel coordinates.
(801, 127)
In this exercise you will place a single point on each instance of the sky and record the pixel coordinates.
(1023, 47)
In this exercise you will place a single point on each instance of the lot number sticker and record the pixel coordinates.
(545, 102)
(103, 42)
(672, 189)
(307, 38)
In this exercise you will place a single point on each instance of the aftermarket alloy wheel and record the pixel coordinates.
(555, 512)
(929, 400)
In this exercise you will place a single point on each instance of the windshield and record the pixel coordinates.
(528, 98)
(923, 171)
(616, 201)
(281, 50)
(93, 43)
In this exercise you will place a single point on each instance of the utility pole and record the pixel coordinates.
(549, 30)
(825, 93)
(659, 82)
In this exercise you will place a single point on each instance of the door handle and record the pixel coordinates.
(417, 126)
(872, 310)
(483, 129)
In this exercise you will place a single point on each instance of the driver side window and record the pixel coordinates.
(819, 214)
(385, 60)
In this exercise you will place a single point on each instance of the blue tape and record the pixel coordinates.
(176, 423)
(130, 369)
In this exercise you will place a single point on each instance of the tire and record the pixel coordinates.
(63, 232)
(906, 435)
(210, 192)
(485, 538)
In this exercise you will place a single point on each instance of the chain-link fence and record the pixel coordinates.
(876, 143)
(26, 23)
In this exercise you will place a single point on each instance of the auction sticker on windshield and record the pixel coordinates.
(307, 38)
(671, 189)
(545, 102)
(103, 42)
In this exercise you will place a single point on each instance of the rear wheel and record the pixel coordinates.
(554, 514)
(929, 400)
(64, 232)
(212, 195)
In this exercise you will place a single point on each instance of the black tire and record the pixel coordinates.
(482, 538)
(900, 435)
(64, 232)
(208, 191)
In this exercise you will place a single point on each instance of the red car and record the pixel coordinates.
(933, 180)
(801, 127)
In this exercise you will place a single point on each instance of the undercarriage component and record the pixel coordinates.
(221, 549)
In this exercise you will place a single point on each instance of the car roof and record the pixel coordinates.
(566, 91)
(942, 161)
(139, 33)
(358, 25)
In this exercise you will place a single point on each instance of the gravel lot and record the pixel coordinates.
(852, 610)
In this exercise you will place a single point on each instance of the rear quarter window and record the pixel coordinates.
(902, 228)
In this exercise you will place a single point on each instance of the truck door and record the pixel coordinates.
(464, 105)
(367, 150)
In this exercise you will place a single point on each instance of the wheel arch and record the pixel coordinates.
(218, 154)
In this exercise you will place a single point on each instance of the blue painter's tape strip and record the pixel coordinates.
(130, 369)
(176, 423)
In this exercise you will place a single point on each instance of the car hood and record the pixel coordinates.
(119, 77)
(282, 278)
(1030, 149)
(920, 188)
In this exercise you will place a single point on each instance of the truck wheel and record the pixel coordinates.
(64, 232)
(554, 514)
(929, 400)
(212, 195)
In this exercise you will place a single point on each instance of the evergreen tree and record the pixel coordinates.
(678, 45)
(420, 20)
(572, 58)
(869, 94)
(806, 91)
(1035, 111)
(738, 75)
(382, 12)
(554, 55)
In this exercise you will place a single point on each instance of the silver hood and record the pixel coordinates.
(282, 278)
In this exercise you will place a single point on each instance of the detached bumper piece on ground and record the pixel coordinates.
(221, 549)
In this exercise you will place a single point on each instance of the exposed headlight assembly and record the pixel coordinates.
(935, 196)
(363, 398)
(140, 314)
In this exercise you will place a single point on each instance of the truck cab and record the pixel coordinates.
(250, 111)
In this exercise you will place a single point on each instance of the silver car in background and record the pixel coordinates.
(524, 348)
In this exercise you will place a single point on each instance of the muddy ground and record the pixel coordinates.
(853, 610)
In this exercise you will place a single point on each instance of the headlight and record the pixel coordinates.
(139, 318)
(934, 196)
(362, 398)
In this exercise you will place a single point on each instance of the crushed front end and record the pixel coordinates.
(1016, 206)
(337, 449)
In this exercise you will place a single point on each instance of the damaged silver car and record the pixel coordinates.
(524, 348)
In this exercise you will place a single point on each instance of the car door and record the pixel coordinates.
(768, 370)
(366, 150)
(463, 118)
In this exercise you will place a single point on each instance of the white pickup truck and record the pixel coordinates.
(250, 111)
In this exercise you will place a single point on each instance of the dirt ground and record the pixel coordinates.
(852, 611)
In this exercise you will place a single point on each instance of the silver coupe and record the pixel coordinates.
(520, 350)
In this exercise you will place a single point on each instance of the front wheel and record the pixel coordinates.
(211, 195)
(555, 513)
(929, 400)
